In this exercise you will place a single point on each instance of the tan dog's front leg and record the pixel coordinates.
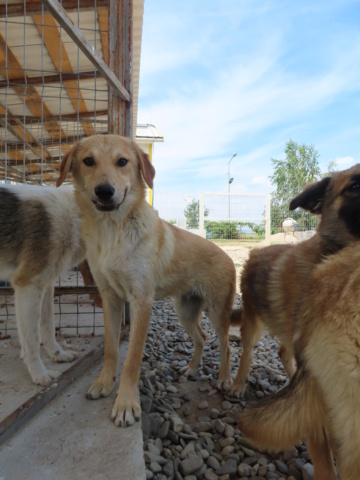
(104, 384)
(126, 409)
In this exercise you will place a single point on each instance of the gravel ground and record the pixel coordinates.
(190, 429)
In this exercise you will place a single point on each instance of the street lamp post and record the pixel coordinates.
(230, 180)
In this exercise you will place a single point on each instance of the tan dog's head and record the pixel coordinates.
(108, 169)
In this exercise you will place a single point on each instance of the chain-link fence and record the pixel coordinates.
(246, 218)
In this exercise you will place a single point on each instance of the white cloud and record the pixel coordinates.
(345, 160)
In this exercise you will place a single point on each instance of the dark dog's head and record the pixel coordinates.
(337, 199)
(108, 169)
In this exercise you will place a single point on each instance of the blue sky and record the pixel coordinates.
(219, 77)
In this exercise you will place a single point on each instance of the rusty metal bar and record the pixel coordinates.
(79, 290)
(86, 47)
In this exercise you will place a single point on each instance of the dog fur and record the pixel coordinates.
(274, 276)
(322, 400)
(39, 239)
(137, 257)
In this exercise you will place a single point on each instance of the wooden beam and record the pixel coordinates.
(50, 33)
(104, 32)
(69, 117)
(11, 68)
(50, 79)
(85, 46)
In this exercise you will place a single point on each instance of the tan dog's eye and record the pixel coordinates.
(121, 162)
(89, 161)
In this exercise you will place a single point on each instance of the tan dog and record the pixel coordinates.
(322, 400)
(274, 276)
(137, 257)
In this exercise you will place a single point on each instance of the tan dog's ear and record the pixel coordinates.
(146, 167)
(65, 166)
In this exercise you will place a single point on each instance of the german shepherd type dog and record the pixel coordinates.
(39, 239)
(274, 276)
(322, 400)
(137, 257)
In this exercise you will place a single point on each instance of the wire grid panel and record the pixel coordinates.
(180, 209)
(50, 93)
(74, 314)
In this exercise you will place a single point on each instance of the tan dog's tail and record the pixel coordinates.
(235, 318)
(282, 420)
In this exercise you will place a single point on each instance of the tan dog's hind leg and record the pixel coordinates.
(188, 310)
(126, 409)
(251, 330)
(104, 384)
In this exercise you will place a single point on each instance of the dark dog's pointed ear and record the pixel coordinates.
(312, 197)
(146, 167)
(65, 165)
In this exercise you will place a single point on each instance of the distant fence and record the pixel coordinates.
(247, 218)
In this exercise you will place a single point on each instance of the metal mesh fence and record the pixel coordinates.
(244, 218)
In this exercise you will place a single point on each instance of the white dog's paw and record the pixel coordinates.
(64, 356)
(43, 376)
(126, 411)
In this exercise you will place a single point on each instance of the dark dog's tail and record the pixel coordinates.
(235, 318)
(283, 419)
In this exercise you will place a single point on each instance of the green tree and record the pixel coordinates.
(300, 167)
(191, 214)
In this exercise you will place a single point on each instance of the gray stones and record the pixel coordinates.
(191, 464)
(189, 428)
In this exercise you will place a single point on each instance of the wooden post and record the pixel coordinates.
(120, 114)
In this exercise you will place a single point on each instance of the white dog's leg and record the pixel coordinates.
(28, 304)
(47, 330)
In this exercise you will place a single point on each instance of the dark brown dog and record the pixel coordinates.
(322, 400)
(274, 276)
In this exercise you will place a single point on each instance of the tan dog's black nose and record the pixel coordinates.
(104, 192)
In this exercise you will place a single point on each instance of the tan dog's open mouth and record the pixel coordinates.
(107, 205)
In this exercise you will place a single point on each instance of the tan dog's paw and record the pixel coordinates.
(188, 371)
(126, 411)
(100, 389)
(237, 390)
(224, 384)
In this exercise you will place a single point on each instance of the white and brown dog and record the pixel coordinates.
(39, 239)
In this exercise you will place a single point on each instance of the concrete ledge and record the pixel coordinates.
(75, 438)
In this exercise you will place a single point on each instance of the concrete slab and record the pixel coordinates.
(74, 438)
